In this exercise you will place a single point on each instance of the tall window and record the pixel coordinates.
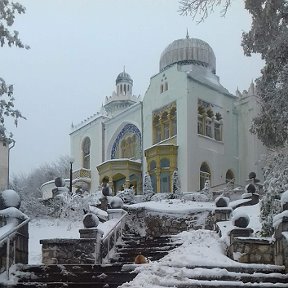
(205, 174)
(128, 147)
(164, 123)
(86, 152)
(173, 118)
(164, 175)
(210, 124)
(208, 127)
(156, 129)
(230, 176)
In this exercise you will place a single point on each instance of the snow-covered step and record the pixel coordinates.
(56, 276)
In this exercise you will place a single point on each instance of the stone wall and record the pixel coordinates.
(68, 251)
(252, 250)
(152, 223)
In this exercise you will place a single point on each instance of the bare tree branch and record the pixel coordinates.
(202, 8)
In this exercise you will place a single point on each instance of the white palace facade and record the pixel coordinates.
(186, 120)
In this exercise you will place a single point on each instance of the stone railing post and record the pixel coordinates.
(94, 233)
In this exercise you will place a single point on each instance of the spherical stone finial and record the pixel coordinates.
(222, 201)
(90, 220)
(9, 198)
(59, 182)
(116, 202)
(241, 220)
(252, 175)
(250, 188)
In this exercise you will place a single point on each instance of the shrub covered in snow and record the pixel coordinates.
(9, 198)
(176, 185)
(127, 196)
(147, 188)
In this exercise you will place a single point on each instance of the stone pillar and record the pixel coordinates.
(93, 233)
(158, 181)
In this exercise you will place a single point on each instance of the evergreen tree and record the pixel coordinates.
(8, 10)
(176, 184)
(147, 188)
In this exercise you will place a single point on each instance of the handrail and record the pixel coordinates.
(6, 237)
(108, 236)
(115, 225)
(8, 233)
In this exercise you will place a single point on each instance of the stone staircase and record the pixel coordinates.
(120, 271)
(97, 276)
(228, 277)
(152, 248)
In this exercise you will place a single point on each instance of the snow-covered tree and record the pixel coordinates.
(276, 182)
(8, 11)
(147, 188)
(202, 8)
(176, 185)
(28, 185)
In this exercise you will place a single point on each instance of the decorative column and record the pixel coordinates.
(110, 183)
(157, 173)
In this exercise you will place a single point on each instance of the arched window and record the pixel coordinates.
(205, 174)
(161, 88)
(86, 152)
(230, 178)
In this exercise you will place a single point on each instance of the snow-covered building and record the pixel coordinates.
(186, 120)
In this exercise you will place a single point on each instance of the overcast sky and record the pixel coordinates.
(78, 47)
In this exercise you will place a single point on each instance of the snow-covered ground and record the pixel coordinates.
(50, 228)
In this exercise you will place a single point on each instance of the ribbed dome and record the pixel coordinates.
(188, 50)
(124, 77)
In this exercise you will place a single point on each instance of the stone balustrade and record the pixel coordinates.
(157, 223)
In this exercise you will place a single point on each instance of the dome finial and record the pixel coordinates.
(187, 34)
(124, 68)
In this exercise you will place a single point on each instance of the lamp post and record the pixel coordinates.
(71, 169)
(8, 170)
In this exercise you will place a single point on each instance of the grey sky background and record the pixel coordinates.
(78, 47)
